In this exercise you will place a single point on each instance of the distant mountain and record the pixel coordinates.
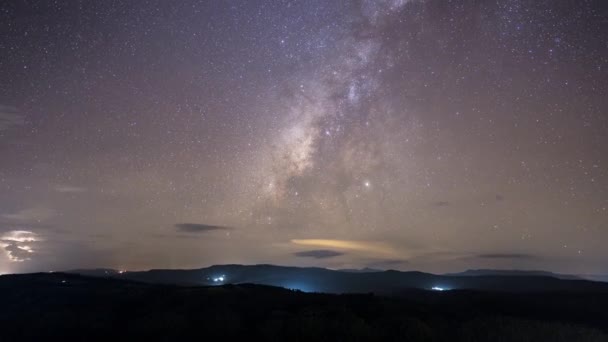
(96, 272)
(360, 270)
(330, 281)
(595, 277)
(487, 272)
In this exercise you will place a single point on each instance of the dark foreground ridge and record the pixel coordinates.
(55, 306)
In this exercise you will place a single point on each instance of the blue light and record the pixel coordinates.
(298, 287)
(219, 279)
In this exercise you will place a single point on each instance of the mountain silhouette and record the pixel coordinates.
(312, 279)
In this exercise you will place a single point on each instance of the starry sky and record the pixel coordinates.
(427, 135)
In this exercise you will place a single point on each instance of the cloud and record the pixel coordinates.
(386, 263)
(12, 225)
(17, 244)
(33, 215)
(360, 246)
(319, 254)
(69, 189)
(506, 256)
(9, 117)
(17, 253)
(199, 227)
(19, 236)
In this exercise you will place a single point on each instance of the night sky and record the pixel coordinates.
(405, 134)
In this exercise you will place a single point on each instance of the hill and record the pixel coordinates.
(486, 272)
(380, 282)
(63, 306)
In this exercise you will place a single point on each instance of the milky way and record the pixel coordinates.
(429, 135)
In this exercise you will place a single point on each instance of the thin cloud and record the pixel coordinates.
(10, 117)
(387, 264)
(506, 256)
(359, 246)
(319, 254)
(69, 189)
(37, 214)
(199, 227)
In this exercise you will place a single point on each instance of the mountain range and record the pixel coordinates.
(312, 279)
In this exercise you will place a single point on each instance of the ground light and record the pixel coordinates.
(219, 279)
(438, 288)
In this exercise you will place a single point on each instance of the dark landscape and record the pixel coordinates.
(106, 305)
